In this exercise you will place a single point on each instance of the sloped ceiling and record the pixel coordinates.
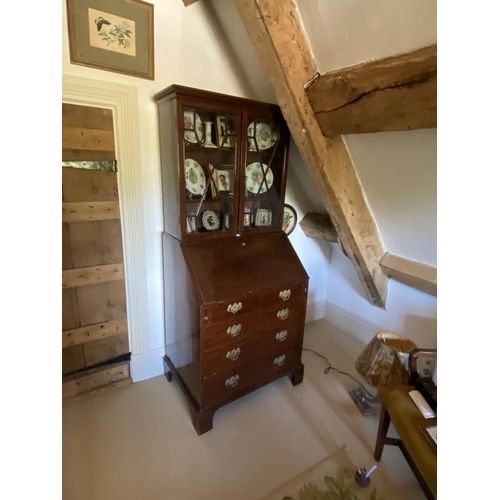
(344, 33)
(396, 169)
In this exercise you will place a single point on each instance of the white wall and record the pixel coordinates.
(348, 32)
(398, 173)
(191, 49)
(408, 311)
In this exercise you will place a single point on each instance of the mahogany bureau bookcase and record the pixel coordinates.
(235, 290)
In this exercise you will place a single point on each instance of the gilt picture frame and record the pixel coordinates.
(112, 35)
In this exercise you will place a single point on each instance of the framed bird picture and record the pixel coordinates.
(113, 35)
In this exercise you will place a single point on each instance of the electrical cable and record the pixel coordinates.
(331, 367)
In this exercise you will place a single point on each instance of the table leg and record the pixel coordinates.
(383, 427)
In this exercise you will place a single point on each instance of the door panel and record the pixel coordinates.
(91, 237)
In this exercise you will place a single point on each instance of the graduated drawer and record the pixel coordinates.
(281, 337)
(226, 386)
(248, 326)
(227, 357)
(283, 294)
(251, 302)
(233, 354)
(232, 309)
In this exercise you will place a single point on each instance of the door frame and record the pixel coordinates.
(123, 101)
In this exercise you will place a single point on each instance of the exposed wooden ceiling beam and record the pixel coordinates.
(319, 227)
(187, 3)
(411, 273)
(396, 93)
(276, 32)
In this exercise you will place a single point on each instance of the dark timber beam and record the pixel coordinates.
(396, 93)
(276, 32)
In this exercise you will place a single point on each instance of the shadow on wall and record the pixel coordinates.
(422, 328)
(228, 29)
(302, 194)
(346, 271)
(300, 186)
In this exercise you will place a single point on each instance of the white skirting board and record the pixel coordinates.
(147, 364)
(315, 310)
(357, 326)
(150, 364)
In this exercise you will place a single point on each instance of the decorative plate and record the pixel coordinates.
(265, 134)
(190, 120)
(255, 176)
(289, 218)
(210, 220)
(195, 177)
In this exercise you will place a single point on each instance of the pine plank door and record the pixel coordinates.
(95, 347)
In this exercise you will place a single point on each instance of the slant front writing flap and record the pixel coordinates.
(237, 266)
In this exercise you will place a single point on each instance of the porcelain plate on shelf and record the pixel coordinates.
(289, 218)
(255, 175)
(210, 220)
(192, 134)
(195, 177)
(265, 135)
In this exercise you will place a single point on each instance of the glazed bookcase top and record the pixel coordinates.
(232, 163)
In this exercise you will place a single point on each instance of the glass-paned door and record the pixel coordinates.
(209, 170)
(264, 170)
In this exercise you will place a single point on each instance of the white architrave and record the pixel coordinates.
(123, 101)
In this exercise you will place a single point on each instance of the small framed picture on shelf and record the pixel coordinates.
(246, 218)
(190, 223)
(226, 137)
(263, 217)
(225, 180)
(212, 172)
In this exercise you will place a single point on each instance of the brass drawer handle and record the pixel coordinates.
(233, 355)
(234, 330)
(283, 314)
(234, 308)
(232, 381)
(285, 294)
(281, 336)
(279, 360)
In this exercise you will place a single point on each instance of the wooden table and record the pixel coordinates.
(398, 407)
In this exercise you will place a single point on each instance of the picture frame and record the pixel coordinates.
(112, 35)
(190, 223)
(212, 171)
(289, 219)
(225, 138)
(263, 217)
(247, 218)
(225, 180)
